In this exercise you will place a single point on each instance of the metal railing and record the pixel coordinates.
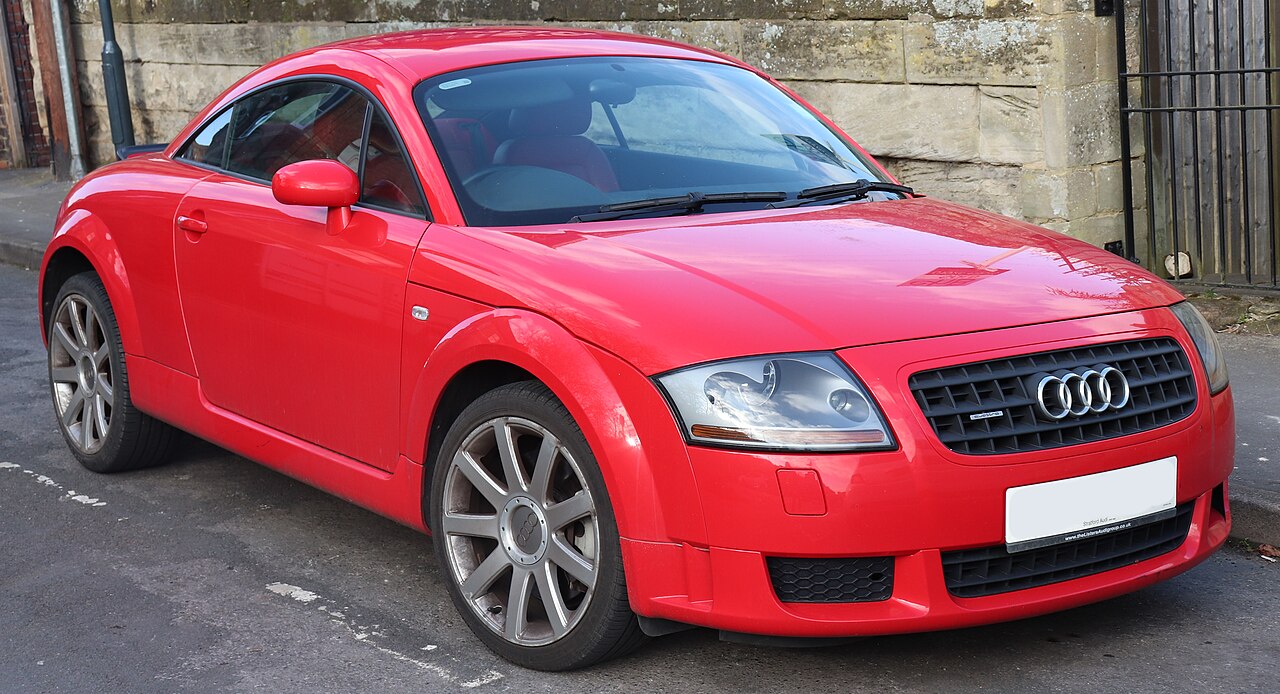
(1202, 102)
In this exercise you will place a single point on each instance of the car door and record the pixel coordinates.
(290, 325)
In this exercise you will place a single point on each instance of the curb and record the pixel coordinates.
(1255, 515)
(22, 254)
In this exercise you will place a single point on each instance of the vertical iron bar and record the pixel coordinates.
(1222, 179)
(1195, 136)
(1147, 118)
(1270, 36)
(1174, 209)
(1246, 203)
(1126, 145)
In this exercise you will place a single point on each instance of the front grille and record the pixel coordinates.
(1160, 381)
(972, 573)
(853, 579)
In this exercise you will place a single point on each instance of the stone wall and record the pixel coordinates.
(1008, 105)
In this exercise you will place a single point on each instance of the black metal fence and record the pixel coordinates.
(1200, 138)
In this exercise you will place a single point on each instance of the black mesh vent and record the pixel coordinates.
(856, 579)
(972, 573)
(1160, 381)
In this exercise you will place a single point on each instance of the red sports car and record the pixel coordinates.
(642, 340)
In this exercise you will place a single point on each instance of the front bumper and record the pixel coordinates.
(915, 503)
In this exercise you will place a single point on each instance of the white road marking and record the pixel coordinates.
(46, 481)
(292, 592)
(368, 634)
(1271, 416)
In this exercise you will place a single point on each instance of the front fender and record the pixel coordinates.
(85, 233)
(623, 417)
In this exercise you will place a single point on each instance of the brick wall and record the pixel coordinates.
(28, 120)
(1007, 105)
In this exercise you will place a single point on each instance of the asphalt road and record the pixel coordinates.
(215, 574)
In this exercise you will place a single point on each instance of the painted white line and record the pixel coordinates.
(487, 678)
(367, 634)
(292, 592)
(46, 481)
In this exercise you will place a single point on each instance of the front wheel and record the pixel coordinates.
(90, 385)
(525, 531)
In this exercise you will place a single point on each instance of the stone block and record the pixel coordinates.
(1084, 125)
(1108, 182)
(1065, 195)
(750, 9)
(163, 87)
(725, 37)
(219, 44)
(1010, 125)
(907, 121)
(856, 51)
(984, 186)
(1098, 229)
(1079, 40)
(998, 51)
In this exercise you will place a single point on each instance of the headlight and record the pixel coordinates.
(800, 402)
(1206, 342)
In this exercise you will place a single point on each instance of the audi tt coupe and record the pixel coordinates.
(642, 340)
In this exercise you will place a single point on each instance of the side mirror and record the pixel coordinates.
(319, 183)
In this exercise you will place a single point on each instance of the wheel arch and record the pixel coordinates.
(508, 345)
(83, 243)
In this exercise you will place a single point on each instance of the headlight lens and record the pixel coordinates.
(1206, 342)
(798, 402)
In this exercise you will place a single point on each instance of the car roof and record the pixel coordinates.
(426, 53)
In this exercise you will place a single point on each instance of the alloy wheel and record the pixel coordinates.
(81, 371)
(521, 531)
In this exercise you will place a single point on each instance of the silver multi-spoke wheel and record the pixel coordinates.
(81, 371)
(521, 531)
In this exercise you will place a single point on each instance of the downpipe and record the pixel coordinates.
(118, 109)
(62, 46)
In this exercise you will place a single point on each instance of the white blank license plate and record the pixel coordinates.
(1049, 513)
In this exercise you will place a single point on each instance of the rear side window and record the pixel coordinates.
(209, 146)
(388, 180)
(295, 122)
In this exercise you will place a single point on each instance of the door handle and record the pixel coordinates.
(192, 225)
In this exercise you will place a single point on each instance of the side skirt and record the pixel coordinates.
(175, 397)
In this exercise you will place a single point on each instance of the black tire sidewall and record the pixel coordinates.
(89, 286)
(586, 643)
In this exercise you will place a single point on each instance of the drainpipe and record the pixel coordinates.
(113, 78)
(62, 46)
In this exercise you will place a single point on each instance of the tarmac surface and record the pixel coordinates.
(215, 574)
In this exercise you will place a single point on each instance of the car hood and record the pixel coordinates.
(663, 293)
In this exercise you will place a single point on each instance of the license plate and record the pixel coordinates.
(1049, 513)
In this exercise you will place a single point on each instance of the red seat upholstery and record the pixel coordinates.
(467, 142)
(551, 137)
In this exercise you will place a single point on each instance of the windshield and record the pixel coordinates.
(544, 142)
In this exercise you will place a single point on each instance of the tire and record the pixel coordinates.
(496, 541)
(90, 385)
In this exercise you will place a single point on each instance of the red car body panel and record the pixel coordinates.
(342, 385)
(793, 281)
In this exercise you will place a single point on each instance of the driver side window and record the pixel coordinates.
(296, 122)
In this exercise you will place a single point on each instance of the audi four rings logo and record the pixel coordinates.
(1076, 393)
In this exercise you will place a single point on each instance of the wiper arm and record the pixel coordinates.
(842, 191)
(688, 204)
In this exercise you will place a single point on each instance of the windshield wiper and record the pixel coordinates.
(687, 204)
(838, 192)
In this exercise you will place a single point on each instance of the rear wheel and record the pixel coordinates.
(90, 385)
(524, 529)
